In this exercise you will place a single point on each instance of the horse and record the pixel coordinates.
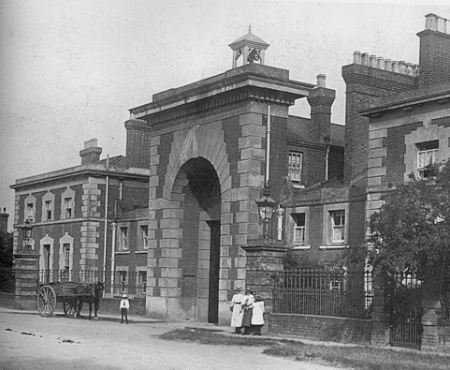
(90, 293)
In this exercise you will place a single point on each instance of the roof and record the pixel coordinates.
(248, 38)
(298, 131)
(408, 99)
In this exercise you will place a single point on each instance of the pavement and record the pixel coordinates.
(218, 329)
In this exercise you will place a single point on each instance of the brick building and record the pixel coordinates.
(410, 130)
(73, 212)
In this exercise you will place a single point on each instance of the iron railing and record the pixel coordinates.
(404, 303)
(323, 292)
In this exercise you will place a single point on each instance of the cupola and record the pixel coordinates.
(250, 47)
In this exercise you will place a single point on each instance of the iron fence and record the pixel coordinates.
(132, 283)
(323, 292)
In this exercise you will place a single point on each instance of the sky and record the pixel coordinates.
(71, 69)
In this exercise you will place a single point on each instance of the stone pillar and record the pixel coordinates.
(264, 259)
(430, 339)
(380, 315)
(26, 270)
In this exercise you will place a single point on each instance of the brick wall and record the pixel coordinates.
(138, 143)
(434, 58)
(363, 84)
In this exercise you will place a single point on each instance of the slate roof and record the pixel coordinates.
(298, 132)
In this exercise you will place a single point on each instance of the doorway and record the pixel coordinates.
(214, 269)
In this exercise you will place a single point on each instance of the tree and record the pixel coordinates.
(6, 249)
(411, 232)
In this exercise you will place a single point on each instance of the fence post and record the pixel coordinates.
(26, 270)
(380, 317)
(264, 260)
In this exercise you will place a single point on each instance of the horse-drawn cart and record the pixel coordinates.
(71, 294)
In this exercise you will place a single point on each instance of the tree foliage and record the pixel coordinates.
(412, 229)
(411, 232)
(6, 249)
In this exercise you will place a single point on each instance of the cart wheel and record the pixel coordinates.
(70, 307)
(46, 300)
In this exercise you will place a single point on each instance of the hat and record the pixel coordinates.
(258, 298)
(124, 296)
(237, 288)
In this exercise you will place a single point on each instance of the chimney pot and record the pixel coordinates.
(365, 59)
(431, 22)
(373, 61)
(380, 63)
(388, 65)
(395, 66)
(357, 57)
(321, 80)
(402, 67)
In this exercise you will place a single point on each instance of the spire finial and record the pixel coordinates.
(250, 28)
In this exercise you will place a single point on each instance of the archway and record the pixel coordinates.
(198, 186)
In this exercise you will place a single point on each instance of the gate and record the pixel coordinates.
(404, 293)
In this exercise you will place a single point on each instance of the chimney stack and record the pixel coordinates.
(321, 99)
(434, 59)
(91, 152)
(4, 220)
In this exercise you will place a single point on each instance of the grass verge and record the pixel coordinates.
(361, 358)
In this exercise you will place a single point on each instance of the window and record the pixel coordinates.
(48, 201)
(295, 166)
(141, 283)
(65, 257)
(144, 236)
(338, 225)
(299, 228)
(30, 211)
(68, 206)
(123, 239)
(121, 282)
(427, 156)
(335, 226)
(66, 249)
(48, 210)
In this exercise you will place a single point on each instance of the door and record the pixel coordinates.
(214, 269)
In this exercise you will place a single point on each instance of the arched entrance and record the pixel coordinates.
(197, 186)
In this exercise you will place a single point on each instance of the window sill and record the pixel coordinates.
(123, 252)
(298, 186)
(336, 246)
(140, 252)
(302, 247)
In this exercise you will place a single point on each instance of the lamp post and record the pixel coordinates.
(266, 206)
(27, 231)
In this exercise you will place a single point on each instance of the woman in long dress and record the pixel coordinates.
(247, 307)
(237, 312)
(258, 315)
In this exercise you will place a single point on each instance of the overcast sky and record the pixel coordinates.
(71, 69)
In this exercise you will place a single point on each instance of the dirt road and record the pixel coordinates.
(29, 341)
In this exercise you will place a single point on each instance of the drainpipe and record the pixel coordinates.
(113, 255)
(326, 162)
(280, 214)
(267, 147)
(106, 220)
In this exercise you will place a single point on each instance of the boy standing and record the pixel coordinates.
(124, 307)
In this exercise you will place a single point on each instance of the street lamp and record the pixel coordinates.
(27, 230)
(266, 206)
